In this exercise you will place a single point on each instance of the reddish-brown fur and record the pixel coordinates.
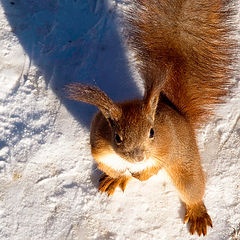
(191, 39)
(184, 53)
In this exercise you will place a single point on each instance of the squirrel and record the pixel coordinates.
(184, 53)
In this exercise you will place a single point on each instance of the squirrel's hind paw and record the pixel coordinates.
(109, 184)
(198, 218)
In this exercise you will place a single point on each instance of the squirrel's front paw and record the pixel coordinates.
(109, 184)
(198, 218)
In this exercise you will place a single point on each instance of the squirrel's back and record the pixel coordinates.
(188, 41)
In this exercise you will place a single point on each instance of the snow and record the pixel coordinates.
(48, 177)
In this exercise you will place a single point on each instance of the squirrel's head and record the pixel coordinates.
(133, 132)
(131, 122)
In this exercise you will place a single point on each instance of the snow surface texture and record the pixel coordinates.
(48, 177)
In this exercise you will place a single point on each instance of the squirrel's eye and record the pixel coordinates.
(151, 134)
(118, 139)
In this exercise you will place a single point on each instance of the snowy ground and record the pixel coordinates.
(48, 178)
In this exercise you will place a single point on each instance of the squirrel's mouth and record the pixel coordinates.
(140, 158)
(137, 155)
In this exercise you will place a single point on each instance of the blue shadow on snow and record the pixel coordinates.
(73, 41)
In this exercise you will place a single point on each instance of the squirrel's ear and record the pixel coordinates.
(95, 96)
(155, 82)
(151, 100)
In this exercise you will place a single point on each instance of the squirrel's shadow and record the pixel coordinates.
(73, 41)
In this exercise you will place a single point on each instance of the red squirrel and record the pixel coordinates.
(184, 54)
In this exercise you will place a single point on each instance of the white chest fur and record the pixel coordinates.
(119, 164)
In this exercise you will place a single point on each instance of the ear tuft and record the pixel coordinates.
(155, 82)
(95, 96)
(151, 100)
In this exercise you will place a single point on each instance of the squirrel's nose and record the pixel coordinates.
(138, 155)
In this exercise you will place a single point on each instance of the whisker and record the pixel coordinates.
(158, 159)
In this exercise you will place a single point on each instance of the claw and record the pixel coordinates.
(109, 184)
(124, 184)
(198, 218)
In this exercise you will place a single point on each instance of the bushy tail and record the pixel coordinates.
(192, 40)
